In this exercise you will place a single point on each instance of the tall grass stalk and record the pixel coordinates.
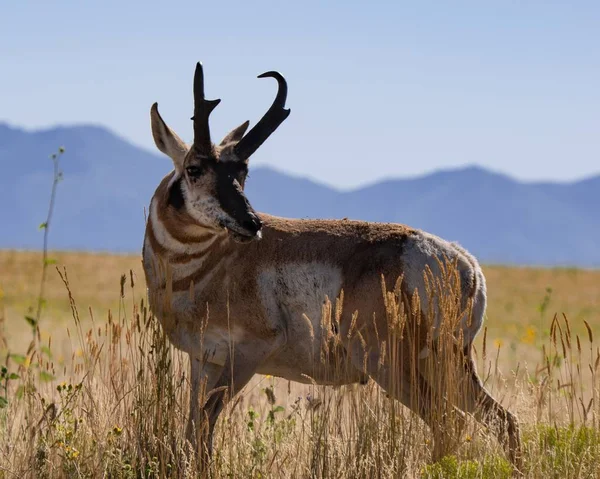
(57, 176)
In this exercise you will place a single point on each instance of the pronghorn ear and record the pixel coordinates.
(236, 134)
(167, 140)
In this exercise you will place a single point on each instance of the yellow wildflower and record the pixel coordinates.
(72, 453)
(529, 336)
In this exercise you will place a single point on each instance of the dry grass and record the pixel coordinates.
(95, 281)
(108, 397)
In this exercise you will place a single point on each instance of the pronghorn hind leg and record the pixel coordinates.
(435, 411)
(405, 384)
(491, 413)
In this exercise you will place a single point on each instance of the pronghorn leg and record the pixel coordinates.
(238, 370)
(406, 385)
(203, 376)
(491, 413)
(414, 392)
(433, 409)
(403, 383)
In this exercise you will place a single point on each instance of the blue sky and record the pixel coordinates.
(377, 89)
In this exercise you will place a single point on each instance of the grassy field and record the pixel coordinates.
(104, 395)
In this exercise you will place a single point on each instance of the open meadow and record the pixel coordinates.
(100, 393)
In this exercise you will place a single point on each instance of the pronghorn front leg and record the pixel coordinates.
(239, 368)
(203, 376)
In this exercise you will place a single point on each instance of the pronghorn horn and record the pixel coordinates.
(202, 110)
(271, 120)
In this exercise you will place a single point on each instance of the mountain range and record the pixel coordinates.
(108, 183)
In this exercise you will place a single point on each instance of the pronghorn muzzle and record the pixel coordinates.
(244, 224)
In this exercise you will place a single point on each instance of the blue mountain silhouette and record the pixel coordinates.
(108, 184)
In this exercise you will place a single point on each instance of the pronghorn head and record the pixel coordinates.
(209, 179)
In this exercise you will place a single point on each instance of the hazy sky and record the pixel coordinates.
(377, 89)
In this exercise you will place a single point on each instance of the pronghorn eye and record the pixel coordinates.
(194, 171)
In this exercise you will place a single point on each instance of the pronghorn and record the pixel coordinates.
(242, 292)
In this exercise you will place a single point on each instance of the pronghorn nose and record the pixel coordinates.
(253, 223)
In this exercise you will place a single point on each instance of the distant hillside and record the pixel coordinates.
(108, 183)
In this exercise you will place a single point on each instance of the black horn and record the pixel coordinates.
(268, 123)
(202, 110)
